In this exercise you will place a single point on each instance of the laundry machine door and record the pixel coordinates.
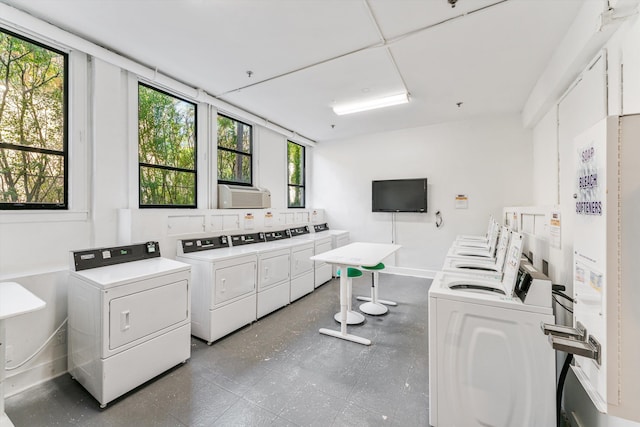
(494, 367)
(135, 316)
(301, 262)
(234, 281)
(273, 269)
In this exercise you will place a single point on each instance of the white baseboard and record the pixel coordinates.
(28, 378)
(415, 272)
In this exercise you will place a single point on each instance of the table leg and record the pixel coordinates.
(342, 334)
(4, 419)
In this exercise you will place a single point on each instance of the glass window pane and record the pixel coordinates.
(166, 129)
(28, 177)
(296, 163)
(167, 187)
(296, 197)
(167, 138)
(234, 135)
(233, 167)
(33, 117)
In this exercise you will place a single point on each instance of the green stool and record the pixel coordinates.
(374, 306)
(353, 317)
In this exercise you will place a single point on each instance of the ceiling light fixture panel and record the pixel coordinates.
(371, 104)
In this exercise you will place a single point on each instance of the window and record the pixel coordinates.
(33, 125)
(295, 173)
(234, 151)
(166, 149)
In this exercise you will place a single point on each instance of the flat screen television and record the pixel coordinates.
(399, 195)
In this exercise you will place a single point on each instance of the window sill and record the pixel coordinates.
(17, 217)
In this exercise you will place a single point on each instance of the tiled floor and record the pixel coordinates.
(278, 371)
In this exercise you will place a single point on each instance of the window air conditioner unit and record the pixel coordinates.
(240, 197)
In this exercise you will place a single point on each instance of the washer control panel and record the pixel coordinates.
(102, 257)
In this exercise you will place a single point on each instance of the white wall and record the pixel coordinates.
(271, 151)
(487, 159)
(608, 85)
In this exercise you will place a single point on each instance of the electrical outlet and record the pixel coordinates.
(61, 337)
(8, 356)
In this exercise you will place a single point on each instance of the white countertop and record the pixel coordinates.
(16, 300)
(358, 253)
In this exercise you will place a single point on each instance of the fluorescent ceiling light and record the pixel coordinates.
(371, 104)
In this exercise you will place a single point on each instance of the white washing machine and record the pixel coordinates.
(301, 266)
(224, 282)
(321, 243)
(483, 267)
(478, 252)
(339, 238)
(475, 238)
(489, 362)
(129, 317)
(483, 243)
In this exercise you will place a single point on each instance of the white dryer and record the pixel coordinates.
(339, 238)
(301, 266)
(489, 362)
(321, 243)
(274, 269)
(224, 285)
(129, 317)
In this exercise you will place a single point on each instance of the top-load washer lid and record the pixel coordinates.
(508, 283)
(485, 264)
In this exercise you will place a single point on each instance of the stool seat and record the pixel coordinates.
(379, 266)
(351, 272)
(374, 306)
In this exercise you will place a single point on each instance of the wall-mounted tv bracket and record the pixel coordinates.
(573, 340)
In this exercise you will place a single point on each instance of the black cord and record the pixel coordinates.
(561, 379)
(563, 295)
(562, 305)
(439, 221)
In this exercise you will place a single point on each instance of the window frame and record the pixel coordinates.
(4, 206)
(237, 152)
(302, 186)
(165, 167)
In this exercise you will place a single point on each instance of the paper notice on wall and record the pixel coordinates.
(462, 201)
(248, 222)
(554, 230)
(268, 219)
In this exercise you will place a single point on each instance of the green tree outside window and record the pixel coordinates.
(33, 139)
(166, 149)
(234, 151)
(295, 173)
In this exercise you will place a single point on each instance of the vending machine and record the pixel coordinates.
(606, 266)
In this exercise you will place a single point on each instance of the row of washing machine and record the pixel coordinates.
(238, 279)
(132, 312)
(490, 364)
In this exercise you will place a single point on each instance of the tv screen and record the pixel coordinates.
(399, 195)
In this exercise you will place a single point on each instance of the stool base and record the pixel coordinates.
(353, 317)
(374, 309)
(381, 301)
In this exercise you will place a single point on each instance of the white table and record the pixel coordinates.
(352, 255)
(14, 300)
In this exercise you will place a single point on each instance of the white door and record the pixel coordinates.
(301, 261)
(233, 282)
(273, 269)
(494, 367)
(139, 314)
